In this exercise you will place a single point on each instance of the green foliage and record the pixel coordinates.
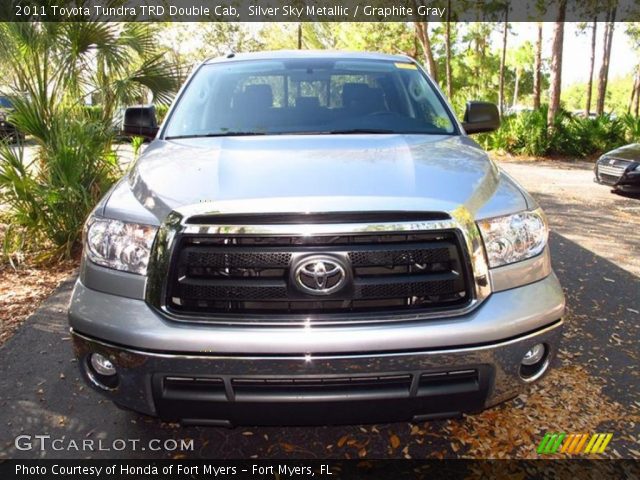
(616, 99)
(161, 112)
(136, 144)
(528, 133)
(631, 126)
(50, 196)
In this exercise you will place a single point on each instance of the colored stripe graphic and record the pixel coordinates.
(569, 442)
(550, 443)
(558, 442)
(573, 448)
(592, 441)
(579, 446)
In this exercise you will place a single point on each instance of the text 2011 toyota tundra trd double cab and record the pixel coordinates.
(313, 238)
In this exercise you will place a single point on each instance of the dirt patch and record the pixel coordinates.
(23, 289)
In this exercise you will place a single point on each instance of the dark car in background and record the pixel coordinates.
(8, 129)
(620, 168)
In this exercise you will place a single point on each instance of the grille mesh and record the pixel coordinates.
(214, 275)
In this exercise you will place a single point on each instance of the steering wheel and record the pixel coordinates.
(417, 91)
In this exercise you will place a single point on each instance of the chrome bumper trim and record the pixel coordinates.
(138, 368)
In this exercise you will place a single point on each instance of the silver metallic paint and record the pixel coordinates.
(133, 323)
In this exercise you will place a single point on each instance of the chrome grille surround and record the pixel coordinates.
(177, 223)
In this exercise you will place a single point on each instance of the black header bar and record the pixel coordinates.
(316, 469)
(314, 10)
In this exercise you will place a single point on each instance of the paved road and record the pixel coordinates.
(594, 389)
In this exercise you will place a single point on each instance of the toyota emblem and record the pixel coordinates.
(320, 275)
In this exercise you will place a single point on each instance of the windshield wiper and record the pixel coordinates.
(219, 134)
(360, 130)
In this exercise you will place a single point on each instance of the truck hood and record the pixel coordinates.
(319, 173)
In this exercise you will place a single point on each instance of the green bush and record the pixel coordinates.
(528, 133)
(161, 112)
(631, 128)
(49, 196)
(523, 134)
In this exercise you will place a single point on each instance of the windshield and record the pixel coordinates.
(313, 96)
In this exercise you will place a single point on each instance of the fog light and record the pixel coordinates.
(102, 365)
(534, 355)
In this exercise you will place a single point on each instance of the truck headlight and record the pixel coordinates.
(119, 245)
(513, 238)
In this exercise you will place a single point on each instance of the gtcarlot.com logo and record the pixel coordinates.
(574, 443)
(47, 442)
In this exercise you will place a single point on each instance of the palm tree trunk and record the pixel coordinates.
(606, 57)
(587, 106)
(503, 58)
(633, 92)
(422, 30)
(556, 63)
(537, 70)
(515, 88)
(447, 46)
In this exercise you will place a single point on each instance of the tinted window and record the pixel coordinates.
(309, 96)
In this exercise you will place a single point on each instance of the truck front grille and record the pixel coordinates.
(250, 278)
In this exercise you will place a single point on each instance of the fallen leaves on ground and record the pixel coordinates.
(570, 399)
(22, 290)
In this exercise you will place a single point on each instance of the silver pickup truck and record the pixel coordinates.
(313, 238)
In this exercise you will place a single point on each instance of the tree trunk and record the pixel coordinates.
(587, 106)
(637, 99)
(634, 102)
(447, 46)
(515, 88)
(503, 59)
(422, 29)
(634, 91)
(537, 70)
(603, 77)
(556, 63)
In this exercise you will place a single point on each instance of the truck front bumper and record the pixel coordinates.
(243, 376)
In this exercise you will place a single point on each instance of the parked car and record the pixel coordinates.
(313, 238)
(620, 168)
(8, 129)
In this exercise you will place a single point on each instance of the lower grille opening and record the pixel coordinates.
(255, 389)
(322, 400)
(461, 381)
(609, 179)
(188, 388)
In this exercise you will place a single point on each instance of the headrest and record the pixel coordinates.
(361, 98)
(255, 96)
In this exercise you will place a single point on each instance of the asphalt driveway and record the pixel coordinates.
(596, 254)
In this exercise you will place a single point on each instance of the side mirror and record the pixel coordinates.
(481, 117)
(140, 121)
